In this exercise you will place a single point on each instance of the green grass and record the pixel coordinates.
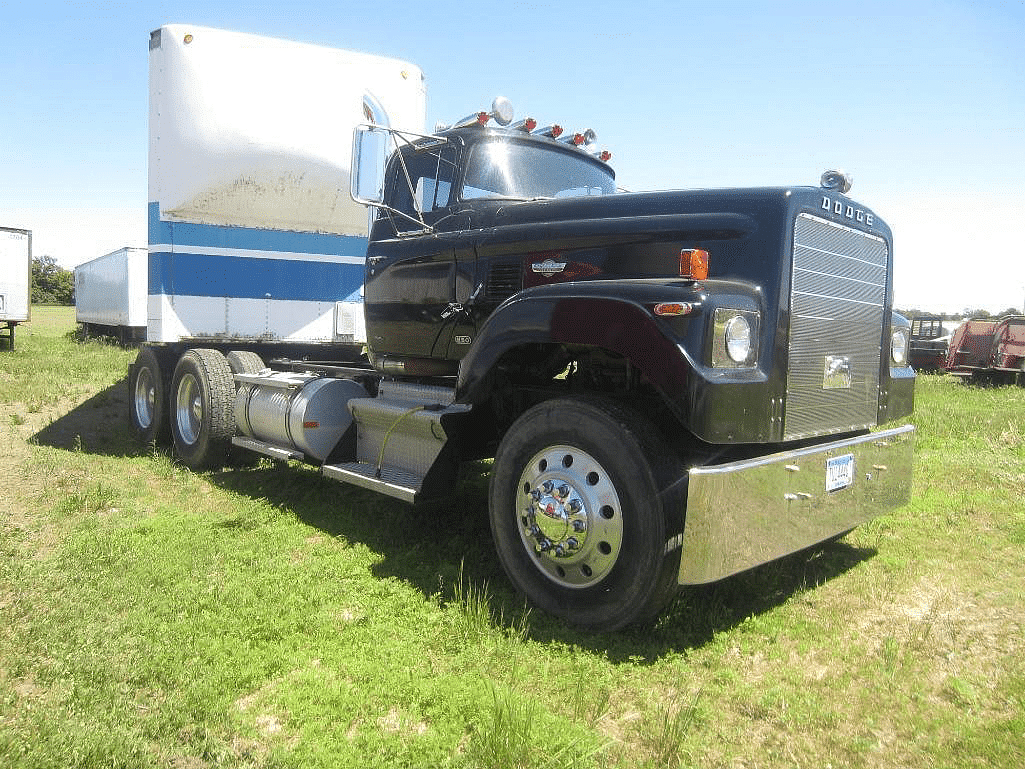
(266, 617)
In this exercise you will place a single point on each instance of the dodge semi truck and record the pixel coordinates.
(673, 387)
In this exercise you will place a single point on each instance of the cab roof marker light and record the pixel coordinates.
(477, 118)
(604, 156)
(694, 263)
(501, 111)
(526, 125)
(576, 139)
(552, 131)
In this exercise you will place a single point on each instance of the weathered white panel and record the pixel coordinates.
(257, 132)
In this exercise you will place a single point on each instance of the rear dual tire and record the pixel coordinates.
(148, 385)
(202, 409)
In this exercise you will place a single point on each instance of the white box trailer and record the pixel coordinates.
(110, 294)
(15, 278)
(253, 237)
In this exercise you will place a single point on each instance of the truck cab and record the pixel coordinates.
(718, 362)
(751, 316)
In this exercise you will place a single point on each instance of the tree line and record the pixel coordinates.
(965, 314)
(51, 283)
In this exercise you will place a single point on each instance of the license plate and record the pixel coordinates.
(839, 472)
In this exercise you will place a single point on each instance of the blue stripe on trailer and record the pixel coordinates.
(243, 278)
(185, 268)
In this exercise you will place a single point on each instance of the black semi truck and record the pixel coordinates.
(673, 386)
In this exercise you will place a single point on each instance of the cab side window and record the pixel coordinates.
(429, 188)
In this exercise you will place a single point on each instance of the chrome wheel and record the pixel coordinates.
(584, 496)
(148, 405)
(189, 409)
(144, 398)
(571, 517)
(203, 396)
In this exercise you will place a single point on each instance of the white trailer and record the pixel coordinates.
(253, 237)
(15, 278)
(255, 246)
(110, 294)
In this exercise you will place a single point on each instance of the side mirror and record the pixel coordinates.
(370, 146)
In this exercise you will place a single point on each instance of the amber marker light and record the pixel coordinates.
(670, 309)
(694, 263)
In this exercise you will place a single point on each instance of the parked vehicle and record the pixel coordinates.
(929, 342)
(674, 386)
(110, 295)
(15, 279)
(989, 351)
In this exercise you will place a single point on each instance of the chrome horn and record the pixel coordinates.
(837, 180)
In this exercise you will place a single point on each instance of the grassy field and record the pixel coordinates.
(265, 617)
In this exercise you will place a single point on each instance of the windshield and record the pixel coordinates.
(510, 169)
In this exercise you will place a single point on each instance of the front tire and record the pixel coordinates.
(583, 506)
(202, 409)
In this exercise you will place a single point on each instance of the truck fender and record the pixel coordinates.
(618, 325)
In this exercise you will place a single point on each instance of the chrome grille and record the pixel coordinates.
(837, 305)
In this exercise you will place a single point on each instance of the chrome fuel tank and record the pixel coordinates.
(306, 412)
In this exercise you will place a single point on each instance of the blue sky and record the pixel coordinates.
(922, 102)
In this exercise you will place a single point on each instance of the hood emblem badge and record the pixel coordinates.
(837, 373)
(548, 267)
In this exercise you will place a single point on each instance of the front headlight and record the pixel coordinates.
(738, 338)
(734, 338)
(899, 342)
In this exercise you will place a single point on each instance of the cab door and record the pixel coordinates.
(411, 275)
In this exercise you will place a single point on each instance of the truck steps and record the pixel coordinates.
(399, 437)
(392, 482)
(268, 449)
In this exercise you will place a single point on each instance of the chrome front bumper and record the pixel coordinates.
(743, 514)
